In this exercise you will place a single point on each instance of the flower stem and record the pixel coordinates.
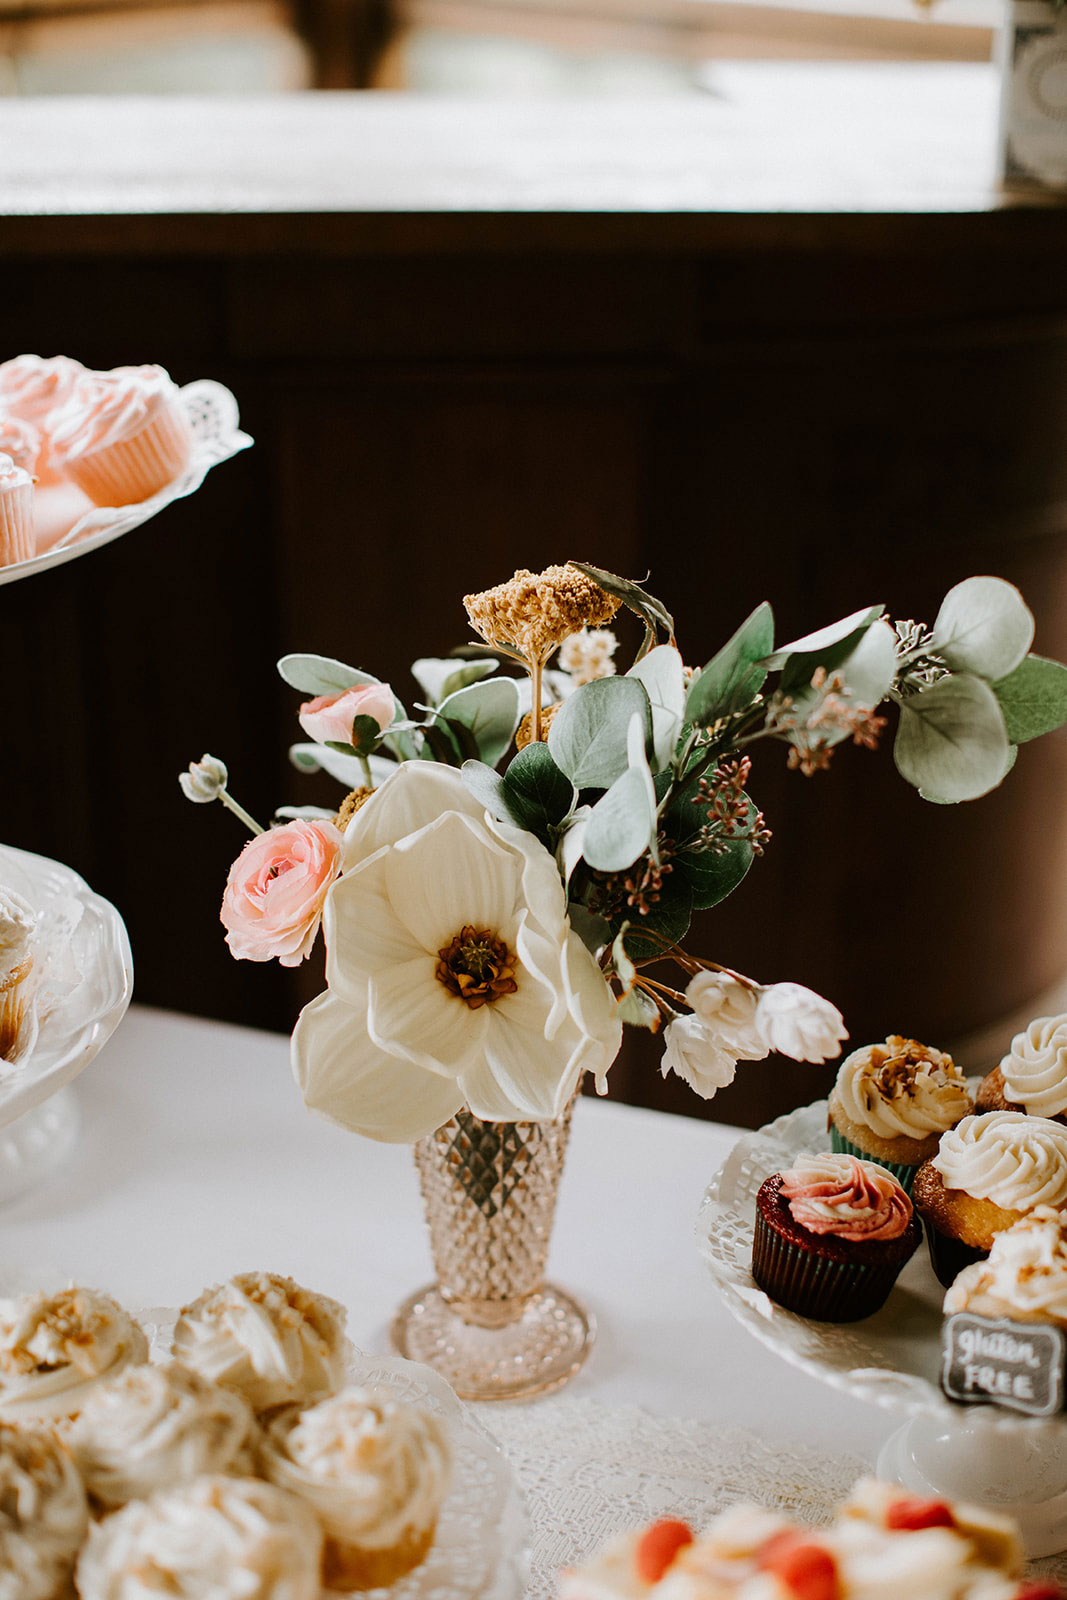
(368, 778)
(239, 811)
(535, 686)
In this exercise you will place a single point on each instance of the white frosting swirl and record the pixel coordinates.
(1035, 1068)
(43, 1515)
(32, 386)
(902, 1089)
(54, 1350)
(371, 1466)
(12, 476)
(104, 408)
(18, 924)
(265, 1336)
(154, 1428)
(21, 441)
(1025, 1274)
(1015, 1161)
(215, 1539)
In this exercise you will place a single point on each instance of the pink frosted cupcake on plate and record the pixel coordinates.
(21, 441)
(31, 387)
(121, 436)
(17, 541)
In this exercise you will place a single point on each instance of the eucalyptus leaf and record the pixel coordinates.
(638, 1010)
(487, 787)
(984, 627)
(662, 674)
(670, 917)
(866, 662)
(952, 742)
(652, 611)
(588, 736)
(490, 710)
(822, 639)
(569, 845)
(936, 799)
(345, 767)
(710, 876)
(1033, 698)
(592, 930)
(317, 675)
(732, 679)
(620, 827)
(439, 676)
(537, 793)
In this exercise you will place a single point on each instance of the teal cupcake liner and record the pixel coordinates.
(905, 1175)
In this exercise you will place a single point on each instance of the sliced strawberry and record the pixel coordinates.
(804, 1567)
(658, 1546)
(910, 1514)
(1039, 1589)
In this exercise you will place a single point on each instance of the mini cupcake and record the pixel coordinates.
(18, 924)
(374, 1470)
(832, 1235)
(1033, 1075)
(1024, 1277)
(988, 1172)
(152, 1428)
(31, 387)
(55, 1350)
(21, 441)
(266, 1337)
(215, 1539)
(17, 541)
(893, 1101)
(121, 436)
(44, 1516)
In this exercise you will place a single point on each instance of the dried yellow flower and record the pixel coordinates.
(533, 612)
(351, 804)
(525, 734)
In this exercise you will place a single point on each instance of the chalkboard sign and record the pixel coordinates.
(1015, 1364)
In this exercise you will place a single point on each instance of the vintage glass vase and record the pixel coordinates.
(491, 1324)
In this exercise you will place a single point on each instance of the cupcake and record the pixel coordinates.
(151, 1428)
(31, 387)
(21, 441)
(374, 1470)
(121, 436)
(17, 541)
(55, 1350)
(832, 1235)
(893, 1101)
(1024, 1277)
(18, 924)
(266, 1337)
(988, 1172)
(1033, 1075)
(215, 1539)
(43, 1515)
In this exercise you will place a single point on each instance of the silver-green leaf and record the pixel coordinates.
(952, 742)
(490, 710)
(984, 627)
(662, 674)
(587, 739)
(317, 675)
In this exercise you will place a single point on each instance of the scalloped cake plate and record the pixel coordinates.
(213, 418)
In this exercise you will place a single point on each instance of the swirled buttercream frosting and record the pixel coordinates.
(1024, 1276)
(902, 1089)
(20, 440)
(55, 1349)
(216, 1539)
(370, 1465)
(154, 1428)
(845, 1196)
(1035, 1068)
(104, 408)
(43, 1515)
(1015, 1161)
(267, 1337)
(13, 476)
(32, 386)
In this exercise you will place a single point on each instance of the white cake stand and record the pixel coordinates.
(84, 976)
(993, 1457)
(69, 525)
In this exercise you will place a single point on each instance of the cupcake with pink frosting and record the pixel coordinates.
(121, 436)
(832, 1236)
(17, 542)
(21, 441)
(31, 388)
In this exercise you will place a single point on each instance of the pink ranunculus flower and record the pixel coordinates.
(330, 715)
(274, 893)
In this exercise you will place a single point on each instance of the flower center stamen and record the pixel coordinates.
(477, 967)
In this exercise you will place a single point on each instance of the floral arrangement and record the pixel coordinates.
(515, 854)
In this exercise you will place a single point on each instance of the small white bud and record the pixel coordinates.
(205, 780)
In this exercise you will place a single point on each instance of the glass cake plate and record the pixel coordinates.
(481, 1550)
(978, 1453)
(84, 980)
(69, 525)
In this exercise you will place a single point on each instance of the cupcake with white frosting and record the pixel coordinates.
(44, 1516)
(216, 1539)
(1024, 1277)
(152, 1428)
(265, 1336)
(374, 1470)
(55, 1350)
(988, 1172)
(21, 441)
(893, 1101)
(18, 926)
(31, 388)
(1032, 1077)
(121, 436)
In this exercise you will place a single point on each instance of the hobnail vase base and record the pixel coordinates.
(539, 1352)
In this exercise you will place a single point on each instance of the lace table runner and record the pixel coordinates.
(589, 1472)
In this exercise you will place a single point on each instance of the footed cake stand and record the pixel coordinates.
(996, 1458)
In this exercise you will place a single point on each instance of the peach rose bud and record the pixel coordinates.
(329, 717)
(272, 906)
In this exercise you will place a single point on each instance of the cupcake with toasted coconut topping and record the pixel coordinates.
(893, 1101)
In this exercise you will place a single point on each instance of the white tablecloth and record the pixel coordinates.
(198, 1160)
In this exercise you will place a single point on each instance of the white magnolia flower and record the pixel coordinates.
(454, 977)
(798, 1022)
(727, 1010)
(695, 1054)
